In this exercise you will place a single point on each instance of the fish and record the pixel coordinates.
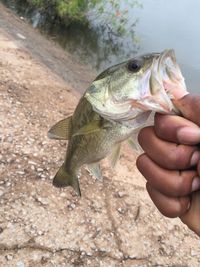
(113, 108)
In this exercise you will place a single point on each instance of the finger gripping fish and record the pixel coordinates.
(117, 104)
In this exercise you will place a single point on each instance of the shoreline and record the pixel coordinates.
(114, 223)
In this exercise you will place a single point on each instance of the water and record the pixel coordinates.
(161, 24)
(173, 24)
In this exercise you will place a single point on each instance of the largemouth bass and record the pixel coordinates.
(116, 105)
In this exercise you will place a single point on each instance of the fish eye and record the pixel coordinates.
(134, 65)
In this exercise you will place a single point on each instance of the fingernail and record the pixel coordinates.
(188, 135)
(195, 158)
(195, 184)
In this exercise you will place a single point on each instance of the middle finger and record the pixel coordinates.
(166, 154)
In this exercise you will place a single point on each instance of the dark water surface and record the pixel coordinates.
(161, 24)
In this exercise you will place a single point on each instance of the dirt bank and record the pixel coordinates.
(114, 223)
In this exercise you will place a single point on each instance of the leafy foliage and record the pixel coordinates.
(108, 15)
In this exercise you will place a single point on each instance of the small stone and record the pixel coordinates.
(32, 167)
(10, 139)
(43, 201)
(9, 257)
(20, 264)
(20, 172)
(193, 252)
(8, 184)
(71, 206)
(121, 210)
(120, 194)
(40, 170)
(1, 192)
(40, 232)
(32, 162)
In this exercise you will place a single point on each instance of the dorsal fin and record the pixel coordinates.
(61, 130)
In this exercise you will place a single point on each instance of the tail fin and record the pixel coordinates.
(63, 178)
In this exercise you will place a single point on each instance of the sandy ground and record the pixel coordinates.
(114, 223)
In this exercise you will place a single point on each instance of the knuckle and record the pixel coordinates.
(160, 126)
(179, 157)
(143, 134)
(180, 186)
(174, 157)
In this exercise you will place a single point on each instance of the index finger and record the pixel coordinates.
(177, 129)
(189, 106)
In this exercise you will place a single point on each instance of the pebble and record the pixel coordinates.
(40, 170)
(121, 210)
(43, 201)
(40, 232)
(32, 167)
(72, 206)
(20, 264)
(20, 172)
(120, 194)
(10, 139)
(9, 257)
(1, 192)
(32, 162)
(193, 252)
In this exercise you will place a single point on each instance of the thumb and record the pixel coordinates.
(192, 217)
(189, 106)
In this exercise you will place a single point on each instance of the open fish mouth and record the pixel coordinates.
(164, 82)
(122, 93)
(173, 80)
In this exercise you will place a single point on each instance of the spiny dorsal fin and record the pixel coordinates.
(61, 130)
(114, 156)
(63, 179)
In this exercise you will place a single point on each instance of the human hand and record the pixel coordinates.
(171, 162)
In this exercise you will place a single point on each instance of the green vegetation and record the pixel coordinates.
(71, 10)
(110, 15)
(96, 29)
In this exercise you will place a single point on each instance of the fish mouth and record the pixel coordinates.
(165, 83)
(154, 89)
(172, 78)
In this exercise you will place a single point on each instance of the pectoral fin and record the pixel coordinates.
(114, 156)
(61, 130)
(63, 179)
(89, 128)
